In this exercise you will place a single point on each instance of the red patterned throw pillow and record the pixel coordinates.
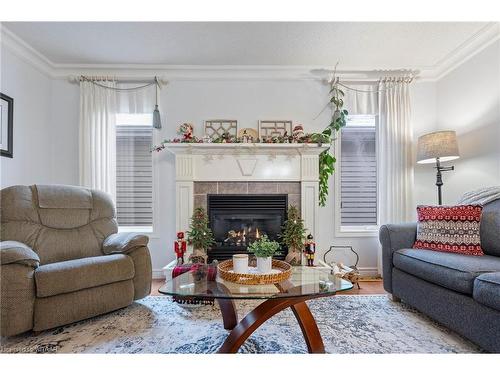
(452, 229)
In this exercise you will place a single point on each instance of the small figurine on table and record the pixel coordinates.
(180, 247)
(309, 250)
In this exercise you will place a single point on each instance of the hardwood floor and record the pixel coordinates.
(367, 287)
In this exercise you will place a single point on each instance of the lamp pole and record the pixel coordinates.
(439, 178)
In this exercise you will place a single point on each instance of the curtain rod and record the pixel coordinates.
(145, 79)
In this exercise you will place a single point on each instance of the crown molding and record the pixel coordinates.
(464, 52)
(25, 52)
(475, 44)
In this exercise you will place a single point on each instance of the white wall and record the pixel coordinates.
(246, 101)
(469, 103)
(47, 112)
(33, 142)
(424, 107)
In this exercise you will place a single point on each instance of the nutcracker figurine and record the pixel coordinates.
(180, 247)
(309, 250)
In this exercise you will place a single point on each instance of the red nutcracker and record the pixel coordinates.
(309, 250)
(180, 247)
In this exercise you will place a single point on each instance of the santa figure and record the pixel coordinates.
(309, 250)
(180, 247)
(297, 133)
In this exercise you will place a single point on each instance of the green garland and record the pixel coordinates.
(327, 160)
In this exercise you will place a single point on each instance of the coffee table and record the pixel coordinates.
(304, 284)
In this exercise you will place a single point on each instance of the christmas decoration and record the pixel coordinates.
(180, 247)
(186, 130)
(293, 236)
(200, 236)
(309, 250)
(297, 133)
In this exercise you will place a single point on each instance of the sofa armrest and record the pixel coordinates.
(394, 237)
(17, 252)
(17, 287)
(123, 243)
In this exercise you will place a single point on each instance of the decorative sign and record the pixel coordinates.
(269, 129)
(216, 128)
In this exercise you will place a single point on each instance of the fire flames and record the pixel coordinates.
(242, 237)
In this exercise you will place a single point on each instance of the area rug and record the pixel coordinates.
(348, 324)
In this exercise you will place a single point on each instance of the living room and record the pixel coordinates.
(292, 187)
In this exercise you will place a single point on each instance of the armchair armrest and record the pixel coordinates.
(124, 243)
(17, 252)
(394, 237)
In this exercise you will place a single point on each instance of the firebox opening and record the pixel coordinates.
(238, 220)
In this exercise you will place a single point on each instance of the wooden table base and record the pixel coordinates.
(242, 330)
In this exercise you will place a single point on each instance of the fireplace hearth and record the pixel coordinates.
(238, 220)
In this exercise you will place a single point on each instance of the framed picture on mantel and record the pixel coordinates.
(6, 123)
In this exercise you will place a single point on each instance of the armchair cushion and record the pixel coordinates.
(73, 275)
(123, 243)
(17, 252)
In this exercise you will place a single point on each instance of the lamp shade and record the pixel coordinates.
(442, 145)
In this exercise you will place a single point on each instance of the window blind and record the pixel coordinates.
(358, 175)
(134, 175)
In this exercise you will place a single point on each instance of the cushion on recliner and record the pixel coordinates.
(452, 271)
(72, 275)
(487, 290)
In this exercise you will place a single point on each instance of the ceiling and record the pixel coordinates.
(355, 45)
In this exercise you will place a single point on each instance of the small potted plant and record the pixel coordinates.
(264, 249)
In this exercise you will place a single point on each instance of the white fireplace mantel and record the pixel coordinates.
(246, 162)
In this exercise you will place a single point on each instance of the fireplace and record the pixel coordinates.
(238, 220)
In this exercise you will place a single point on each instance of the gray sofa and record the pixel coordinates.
(62, 259)
(461, 292)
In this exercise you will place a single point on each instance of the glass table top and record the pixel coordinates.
(304, 281)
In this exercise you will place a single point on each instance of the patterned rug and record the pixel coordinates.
(348, 324)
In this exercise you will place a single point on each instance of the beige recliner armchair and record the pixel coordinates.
(62, 259)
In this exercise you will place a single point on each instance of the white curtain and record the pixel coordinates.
(395, 152)
(97, 136)
(363, 100)
(141, 100)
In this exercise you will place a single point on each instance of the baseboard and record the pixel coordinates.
(368, 271)
(158, 274)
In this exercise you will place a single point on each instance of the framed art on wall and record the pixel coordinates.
(6, 124)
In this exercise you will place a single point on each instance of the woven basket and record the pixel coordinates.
(225, 271)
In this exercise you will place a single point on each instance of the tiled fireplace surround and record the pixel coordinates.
(201, 189)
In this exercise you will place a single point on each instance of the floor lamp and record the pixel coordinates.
(438, 147)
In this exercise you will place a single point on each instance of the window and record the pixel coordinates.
(134, 172)
(358, 174)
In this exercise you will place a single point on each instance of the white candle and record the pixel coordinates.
(240, 263)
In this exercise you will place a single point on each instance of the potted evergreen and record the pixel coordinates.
(293, 236)
(200, 235)
(264, 249)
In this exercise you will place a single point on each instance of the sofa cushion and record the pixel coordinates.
(452, 229)
(452, 271)
(72, 275)
(487, 290)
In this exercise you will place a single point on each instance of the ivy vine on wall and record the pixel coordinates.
(327, 136)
